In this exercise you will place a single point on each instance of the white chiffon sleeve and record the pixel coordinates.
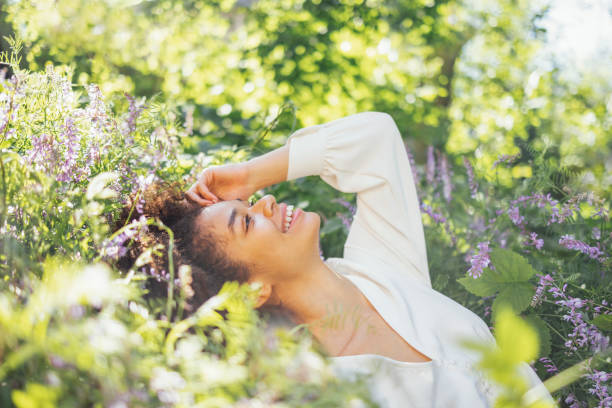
(364, 154)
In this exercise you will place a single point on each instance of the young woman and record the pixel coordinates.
(373, 310)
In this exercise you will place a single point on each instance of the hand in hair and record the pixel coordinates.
(240, 180)
(226, 182)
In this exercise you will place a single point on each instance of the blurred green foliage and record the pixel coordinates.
(469, 76)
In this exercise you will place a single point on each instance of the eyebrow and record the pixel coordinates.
(232, 218)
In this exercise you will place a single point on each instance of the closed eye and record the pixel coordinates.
(247, 221)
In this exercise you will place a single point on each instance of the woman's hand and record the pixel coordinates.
(217, 183)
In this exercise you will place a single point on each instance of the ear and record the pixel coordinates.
(264, 294)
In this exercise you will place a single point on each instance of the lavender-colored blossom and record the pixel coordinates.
(549, 365)
(118, 246)
(505, 158)
(560, 213)
(569, 242)
(478, 226)
(600, 388)
(596, 233)
(471, 178)
(487, 310)
(346, 221)
(515, 216)
(352, 209)
(431, 165)
(134, 111)
(437, 217)
(583, 333)
(72, 140)
(573, 402)
(480, 260)
(43, 156)
(96, 109)
(533, 239)
(540, 293)
(445, 175)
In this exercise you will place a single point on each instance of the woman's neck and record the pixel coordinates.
(330, 305)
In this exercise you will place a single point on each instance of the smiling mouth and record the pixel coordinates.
(291, 214)
(288, 218)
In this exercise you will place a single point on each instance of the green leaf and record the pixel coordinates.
(485, 285)
(511, 266)
(511, 269)
(516, 295)
(603, 322)
(543, 333)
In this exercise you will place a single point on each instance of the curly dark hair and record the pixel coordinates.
(193, 246)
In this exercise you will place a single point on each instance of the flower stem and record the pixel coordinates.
(572, 374)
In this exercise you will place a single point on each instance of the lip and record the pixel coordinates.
(283, 208)
(297, 212)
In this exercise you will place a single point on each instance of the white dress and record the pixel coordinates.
(385, 257)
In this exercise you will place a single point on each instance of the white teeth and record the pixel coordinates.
(288, 216)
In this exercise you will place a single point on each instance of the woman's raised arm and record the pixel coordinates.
(240, 180)
(364, 154)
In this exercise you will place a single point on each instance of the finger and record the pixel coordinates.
(196, 198)
(205, 193)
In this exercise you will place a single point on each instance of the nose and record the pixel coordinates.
(265, 205)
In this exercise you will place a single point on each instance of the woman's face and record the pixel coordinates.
(257, 235)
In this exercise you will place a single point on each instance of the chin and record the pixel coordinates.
(313, 220)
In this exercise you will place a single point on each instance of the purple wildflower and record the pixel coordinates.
(551, 368)
(445, 175)
(471, 179)
(72, 139)
(117, 247)
(600, 389)
(583, 334)
(505, 158)
(533, 240)
(569, 242)
(572, 402)
(487, 310)
(545, 281)
(437, 217)
(134, 111)
(352, 209)
(596, 233)
(515, 216)
(477, 226)
(479, 261)
(346, 221)
(43, 155)
(96, 109)
(431, 165)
